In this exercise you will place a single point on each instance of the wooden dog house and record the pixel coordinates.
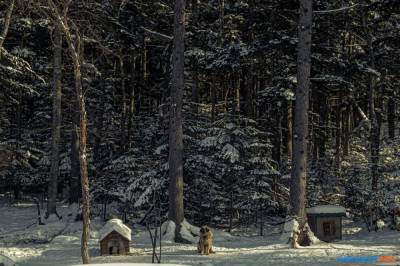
(326, 221)
(115, 238)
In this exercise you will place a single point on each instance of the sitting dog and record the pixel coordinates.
(205, 241)
(380, 224)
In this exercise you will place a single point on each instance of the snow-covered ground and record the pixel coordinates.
(28, 244)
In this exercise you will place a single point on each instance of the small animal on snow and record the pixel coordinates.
(380, 224)
(204, 247)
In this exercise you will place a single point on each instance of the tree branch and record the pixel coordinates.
(158, 35)
(332, 11)
(7, 21)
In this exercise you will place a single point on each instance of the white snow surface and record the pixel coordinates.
(289, 227)
(5, 261)
(331, 209)
(128, 264)
(18, 240)
(188, 231)
(115, 225)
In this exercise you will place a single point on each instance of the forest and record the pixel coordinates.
(239, 115)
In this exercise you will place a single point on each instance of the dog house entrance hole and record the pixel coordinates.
(329, 228)
(113, 247)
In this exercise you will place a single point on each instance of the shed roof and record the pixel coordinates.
(115, 225)
(327, 210)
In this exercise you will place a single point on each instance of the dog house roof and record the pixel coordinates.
(327, 210)
(115, 225)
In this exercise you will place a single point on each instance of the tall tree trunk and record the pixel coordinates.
(56, 128)
(176, 213)
(249, 90)
(74, 47)
(75, 194)
(123, 142)
(236, 80)
(324, 110)
(315, 129)
(213, 100)
(347, 130)
(221, 7)
(338, 147)
(375, 129)
(277, 145)
(299, 164)
(7, 21)
(391, 117)
(132, 102)
(145, 74)
(289, 120)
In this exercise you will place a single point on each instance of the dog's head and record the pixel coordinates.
(204, 229)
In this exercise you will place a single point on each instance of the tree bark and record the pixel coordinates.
(299, 164)
(7, 21)
(176, 211)
(56, 128)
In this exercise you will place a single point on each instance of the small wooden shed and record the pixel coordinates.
(115, 238)
(326, 221)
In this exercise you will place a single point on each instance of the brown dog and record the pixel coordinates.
(205, 241)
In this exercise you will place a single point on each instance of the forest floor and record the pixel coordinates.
(58, 244)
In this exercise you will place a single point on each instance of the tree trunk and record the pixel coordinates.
(132, 102)
(56, 128)
(391, 117)
(213, 100)
(123, 142)
(347, 131)
(323, 114)
(7, 21)
(375, 129)
(249, 89)
(176, 213)
(276, 150)
(299, 164)
(74, 46)
(195, 90)
(237, 92)
(75, 194)
(289, 119)
(221, 7)
(338, 135)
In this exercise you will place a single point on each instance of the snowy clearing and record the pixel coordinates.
(58, 243)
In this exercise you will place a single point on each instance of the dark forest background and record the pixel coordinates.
(238, 104)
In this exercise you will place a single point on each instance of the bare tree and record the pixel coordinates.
(176, 213)
(59, 14)
(299, 163)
